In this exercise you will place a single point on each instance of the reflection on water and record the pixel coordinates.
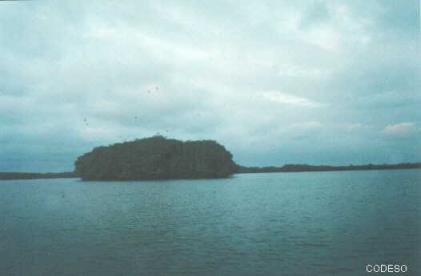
(327, 223)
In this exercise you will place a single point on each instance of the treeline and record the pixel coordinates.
(162, 158)
(156, 158)
(20, 175)
(312, 168)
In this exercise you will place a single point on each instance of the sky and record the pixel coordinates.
(275, 82)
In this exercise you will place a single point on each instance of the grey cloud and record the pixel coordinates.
(79, 74)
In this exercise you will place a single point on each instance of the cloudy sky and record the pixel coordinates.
(333, 82)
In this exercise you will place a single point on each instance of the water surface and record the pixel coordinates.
(316, 223)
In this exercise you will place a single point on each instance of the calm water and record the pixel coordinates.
(328, 223)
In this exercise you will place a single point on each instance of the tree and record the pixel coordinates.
(156, 158)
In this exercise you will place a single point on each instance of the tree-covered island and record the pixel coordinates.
(156, 158)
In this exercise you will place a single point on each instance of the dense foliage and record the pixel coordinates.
(161, 158)
(156, 158)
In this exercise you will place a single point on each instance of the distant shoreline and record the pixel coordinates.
(326, 168)
(28, 175)
(240, 170)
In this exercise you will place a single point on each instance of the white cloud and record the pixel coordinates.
(307, 125)
(353, 126)
(302, 71)
(288, 99)
(401, 129)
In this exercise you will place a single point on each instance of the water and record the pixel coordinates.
(320, 223)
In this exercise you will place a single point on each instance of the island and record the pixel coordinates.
(159, 157)
(156, 158)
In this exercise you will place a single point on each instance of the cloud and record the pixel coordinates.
(303, 71)
(288, 99)
(401, 129)
(308, 125)
(287, 80)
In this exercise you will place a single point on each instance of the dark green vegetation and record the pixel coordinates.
(156, 158)
(320, 168)
(19, 175)
(161, 158)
